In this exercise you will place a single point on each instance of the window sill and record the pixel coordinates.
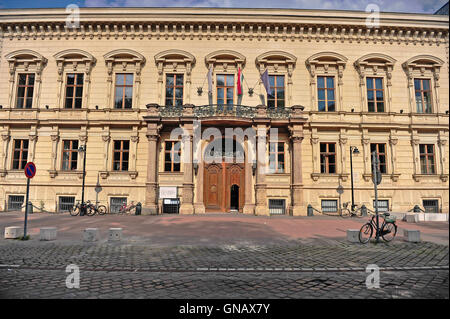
(54, 173)
(316, 176)
(419, 177)
(105, 174)
(394, 177)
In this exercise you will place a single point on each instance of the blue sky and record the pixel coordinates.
(415, 6)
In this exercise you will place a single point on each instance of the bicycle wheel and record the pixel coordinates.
(102, 210)
(365, 233)
(389, 231)
(74, 211)
(90, 211)
(345, 213)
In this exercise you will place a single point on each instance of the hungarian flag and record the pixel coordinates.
(239, 82)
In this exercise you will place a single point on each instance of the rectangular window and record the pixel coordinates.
(277, 206)
(66, 203)
(74, 91)
(174, 89)
(383, 205)
(69, 155)
(427, 163)
(326, 94)
(329, 205)
(277, 98)
(328, 158)
(431, 205)
(123, 97)
(276, 157)
(20, 154)
(380, 150)
(225, 89)
(172, 156)
(15, 202)
(25, 89)
(423, 95)
(121, 155)
(115, 203)
(375, 94)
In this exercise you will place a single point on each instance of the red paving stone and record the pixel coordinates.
(213, 229)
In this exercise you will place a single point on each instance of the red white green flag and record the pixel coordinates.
(239, 82)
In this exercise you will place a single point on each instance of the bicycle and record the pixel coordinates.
(75, 210)
(94, 209)
(346, 212)
(388, 228)
(130, 209)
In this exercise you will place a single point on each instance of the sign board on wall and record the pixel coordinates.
(168, 192)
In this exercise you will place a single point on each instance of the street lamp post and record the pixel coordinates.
(82, 150)
(353, 150)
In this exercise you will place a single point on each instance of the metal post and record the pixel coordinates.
(26, 209)
(83, 208)
(351, 173)
(374, 174)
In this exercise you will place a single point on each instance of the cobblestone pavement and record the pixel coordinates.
(297, 270)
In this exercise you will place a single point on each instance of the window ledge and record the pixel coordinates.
(54, 173)
(105, 174)
(394, 177)
(316, 176)
(418, 177)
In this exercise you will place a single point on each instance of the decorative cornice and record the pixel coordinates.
(318, 31)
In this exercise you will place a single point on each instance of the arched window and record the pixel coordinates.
(74, 78)
(280, 66)
(25, 70)
(225, 65)
(326, 71)
(124, 78)
(375, 74)
(174, 75)
(423, 83)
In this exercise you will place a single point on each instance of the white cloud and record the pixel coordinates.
(418, 6)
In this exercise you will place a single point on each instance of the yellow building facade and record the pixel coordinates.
(123, 80)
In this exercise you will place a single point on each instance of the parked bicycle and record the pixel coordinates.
(346, 212)
(388, 228)
(127, 209)
(75, 210)
(95, 209)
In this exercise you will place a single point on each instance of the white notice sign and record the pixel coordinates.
(168, 192)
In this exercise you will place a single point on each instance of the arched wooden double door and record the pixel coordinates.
(219, 193)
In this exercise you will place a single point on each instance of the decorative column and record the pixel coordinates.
(5, 139)
(444, 170)
(297, 207)
(187, 196)
(249, 206)
(32, 145)
(261, 156)
(342, 144)
(415, 146)
(55, 138)
(365, 140)
(134, 143)
(106, 139)
(315, 154)
(151, 196)
(393, 140)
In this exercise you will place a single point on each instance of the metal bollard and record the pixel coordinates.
(30, 207)
(363, 210)
(138, 209)
(310, 210)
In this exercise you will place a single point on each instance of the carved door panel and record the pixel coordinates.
(213, 188)
(235, 176)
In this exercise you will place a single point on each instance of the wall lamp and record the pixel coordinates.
(1, 106)
(199, 91)
(195, 168)
(254, 168)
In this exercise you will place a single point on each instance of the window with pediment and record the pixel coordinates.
(25, 70)
(123, 65)
(225, 65)
(74, 68)
(174, 77)
(375, 82)
(326, 70)
(280, 66)
(422, 72)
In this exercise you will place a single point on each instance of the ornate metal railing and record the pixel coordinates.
(217, 110)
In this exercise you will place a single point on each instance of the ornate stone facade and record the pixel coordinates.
(298, 46)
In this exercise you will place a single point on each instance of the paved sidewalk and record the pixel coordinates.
(213, 229)
(220, 256)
